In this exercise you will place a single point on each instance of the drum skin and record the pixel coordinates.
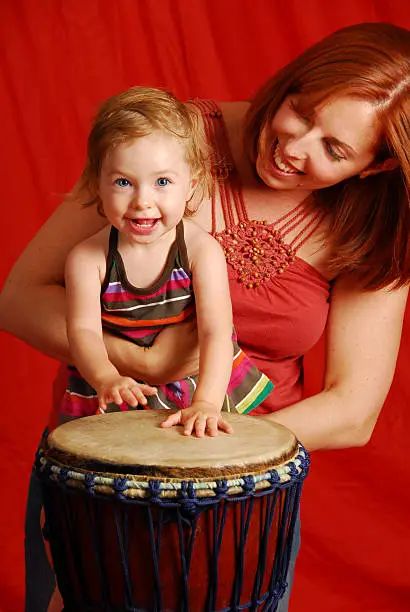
(142, 518)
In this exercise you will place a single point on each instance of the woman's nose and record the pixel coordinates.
(296, 148)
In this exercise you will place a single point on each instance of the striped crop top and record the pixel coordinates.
(140, 314)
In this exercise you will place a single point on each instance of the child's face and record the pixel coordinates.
(144, 186)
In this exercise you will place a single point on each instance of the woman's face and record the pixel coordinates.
(334, 142)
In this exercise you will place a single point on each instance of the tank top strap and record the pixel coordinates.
(227, 180)
(299, 218)
(112, 249)
(111, 271)
(181, 257)
(113, 241)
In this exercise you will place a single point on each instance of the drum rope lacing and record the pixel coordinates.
(281, 487)
(156, 488)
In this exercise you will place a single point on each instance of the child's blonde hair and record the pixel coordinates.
(138, 112)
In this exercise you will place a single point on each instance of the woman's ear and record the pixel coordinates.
(388, 164)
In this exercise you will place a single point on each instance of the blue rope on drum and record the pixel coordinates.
(102, 529)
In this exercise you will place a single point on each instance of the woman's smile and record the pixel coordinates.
(282, 166)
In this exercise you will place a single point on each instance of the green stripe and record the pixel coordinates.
(261, 396)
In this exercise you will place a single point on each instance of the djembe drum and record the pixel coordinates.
(141, 518)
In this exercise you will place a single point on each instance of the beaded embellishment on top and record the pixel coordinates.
(256, 250)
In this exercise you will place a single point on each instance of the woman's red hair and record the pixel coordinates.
(370, 217)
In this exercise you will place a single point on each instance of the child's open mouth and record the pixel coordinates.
(142, 226)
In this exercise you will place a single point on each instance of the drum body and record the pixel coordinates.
(144, 519)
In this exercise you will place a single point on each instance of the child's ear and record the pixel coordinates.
(193, 186)
(388, 164)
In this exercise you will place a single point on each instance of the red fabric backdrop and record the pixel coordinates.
(58, 58)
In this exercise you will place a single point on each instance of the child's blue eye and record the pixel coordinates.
(162, 182)
(122, 182)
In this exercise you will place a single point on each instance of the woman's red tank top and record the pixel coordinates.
(280, 302)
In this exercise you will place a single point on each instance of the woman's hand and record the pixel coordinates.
(200, 418)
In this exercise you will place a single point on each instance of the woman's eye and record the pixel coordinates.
(162, 182)
(332, 151)
(122, 182)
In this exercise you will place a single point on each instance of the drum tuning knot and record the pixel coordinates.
(189, 506)
(155, 490)
(248, 484)
(120, 485)
(221, 488)
(89, 483)
(63, 475)
(274, 477)
(293, 470)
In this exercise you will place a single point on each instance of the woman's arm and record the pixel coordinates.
(33, 301)
(363, 339)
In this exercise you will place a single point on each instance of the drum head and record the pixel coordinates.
(133, 442)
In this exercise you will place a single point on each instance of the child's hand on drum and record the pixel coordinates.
(119, 389)
(200, 418)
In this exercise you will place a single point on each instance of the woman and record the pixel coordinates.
(313, 215)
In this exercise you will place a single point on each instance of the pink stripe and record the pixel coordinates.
(140, 333)
(123, 296)
(238, 374)
(181, 402)
(78, 406)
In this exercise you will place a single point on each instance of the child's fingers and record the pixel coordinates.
(224, 426)
(116, 397)
(129, 397)
(173, 419)
(200, 425)
(102, 406)
(189, 426)
(138, 396)
(147, 389)
(212, 426)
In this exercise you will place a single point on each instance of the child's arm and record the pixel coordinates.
(214, 317)
(85, 270)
